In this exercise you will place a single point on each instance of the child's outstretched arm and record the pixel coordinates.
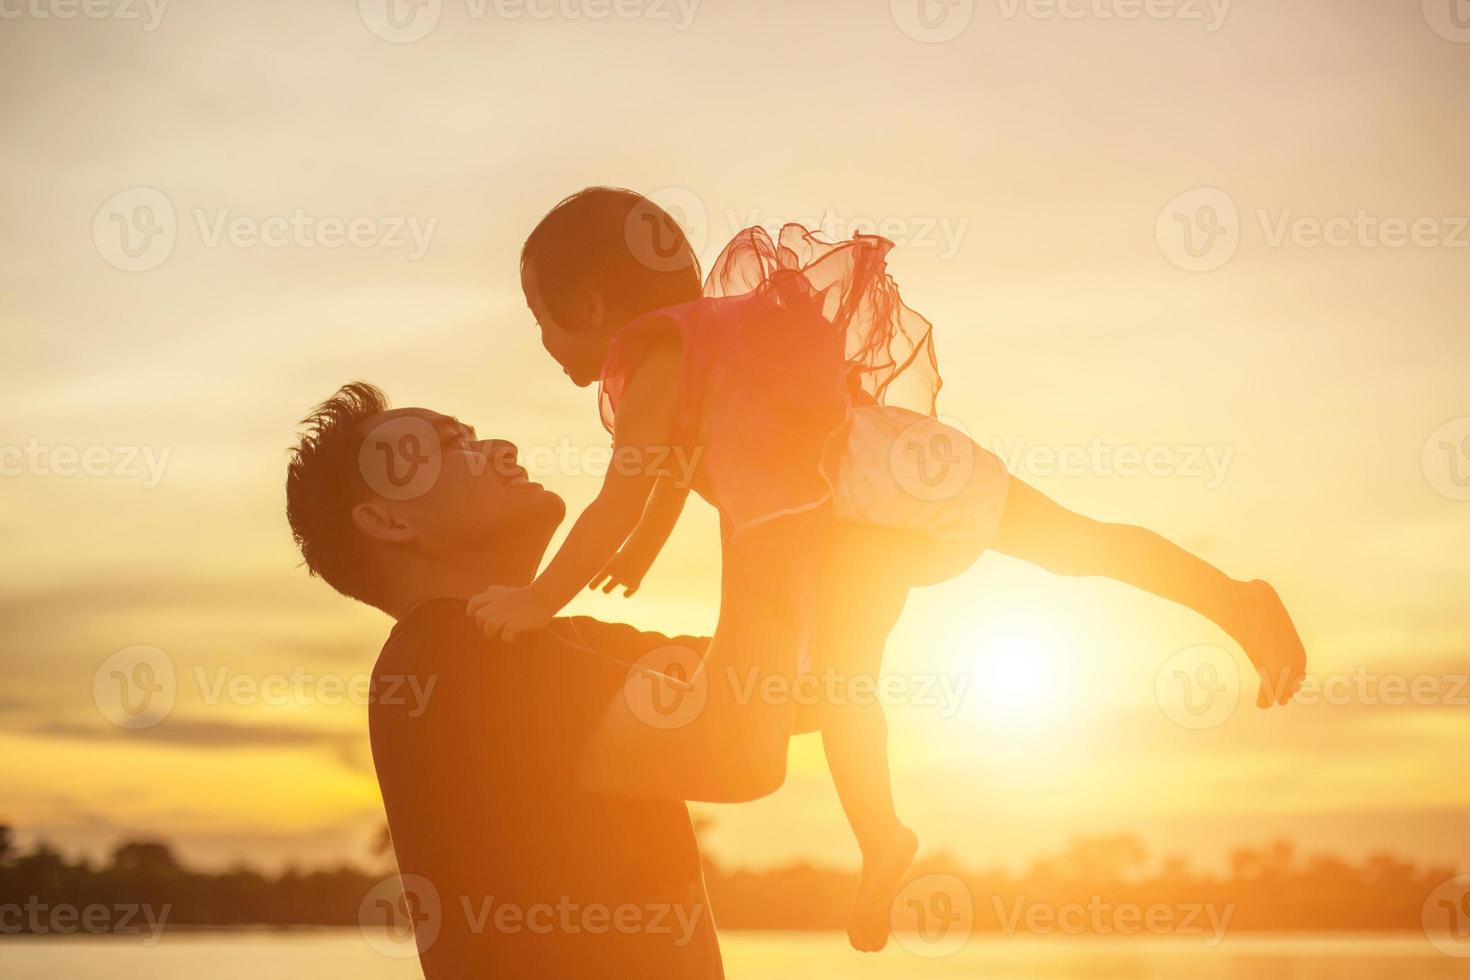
(643, 424)
(634, 559)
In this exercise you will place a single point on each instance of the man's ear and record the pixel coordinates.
(376, 520)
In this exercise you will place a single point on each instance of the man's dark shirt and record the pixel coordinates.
(533, 876)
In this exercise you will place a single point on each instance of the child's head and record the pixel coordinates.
(599, 259)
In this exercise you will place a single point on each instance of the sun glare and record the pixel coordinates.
(1018, 679)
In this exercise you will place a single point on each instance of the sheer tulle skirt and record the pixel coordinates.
(808, 382)
(895, 465)
(888, 348)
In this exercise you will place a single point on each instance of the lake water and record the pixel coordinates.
(768, 956)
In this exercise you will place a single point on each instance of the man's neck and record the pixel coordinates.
(461, 578)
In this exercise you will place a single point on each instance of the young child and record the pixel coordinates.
(783, 377)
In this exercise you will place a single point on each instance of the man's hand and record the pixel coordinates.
(627, 569)
(506, 613)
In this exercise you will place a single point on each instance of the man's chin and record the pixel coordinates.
(556, 508)
(541, 511)
(522, 529)
(542, 518)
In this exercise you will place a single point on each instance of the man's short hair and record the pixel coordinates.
(324, 483)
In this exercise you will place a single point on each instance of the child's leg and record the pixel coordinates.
(856, 742)
(852, 629)
(860, 594)
(1036, 529)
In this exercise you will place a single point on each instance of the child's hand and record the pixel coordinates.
(627, 569)
(506, 613)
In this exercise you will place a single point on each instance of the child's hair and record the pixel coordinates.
(616, 241)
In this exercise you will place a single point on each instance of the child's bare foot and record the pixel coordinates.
(1270, 640)
(883, 870)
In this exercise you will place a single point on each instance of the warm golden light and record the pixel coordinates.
(1014, 675)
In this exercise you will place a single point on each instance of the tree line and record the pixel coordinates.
(1271, 888)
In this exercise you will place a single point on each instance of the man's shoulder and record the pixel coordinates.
(437, 646)
(433, 618)
(440, 627)
(620, 640)
(438, 642)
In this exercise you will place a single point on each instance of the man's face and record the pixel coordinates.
(455, 492)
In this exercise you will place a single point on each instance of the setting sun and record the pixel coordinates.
(1017, 676)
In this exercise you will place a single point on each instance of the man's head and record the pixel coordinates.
(598, 260)
(386, 505)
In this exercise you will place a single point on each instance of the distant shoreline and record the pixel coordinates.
(1293, 935)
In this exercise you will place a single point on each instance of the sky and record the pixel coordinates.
(1202, 269)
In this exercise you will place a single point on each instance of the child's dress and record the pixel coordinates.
(807, 380)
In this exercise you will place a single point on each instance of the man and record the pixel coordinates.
(535, 792)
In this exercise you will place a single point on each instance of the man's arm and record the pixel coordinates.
(727, 744)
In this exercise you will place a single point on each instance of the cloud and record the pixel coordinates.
(206, 734)
(13, 706)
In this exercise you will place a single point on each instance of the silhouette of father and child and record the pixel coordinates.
(535, 786)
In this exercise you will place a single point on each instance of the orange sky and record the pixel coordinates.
(1026, 166)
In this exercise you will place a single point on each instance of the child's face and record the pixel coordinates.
(580, 348)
